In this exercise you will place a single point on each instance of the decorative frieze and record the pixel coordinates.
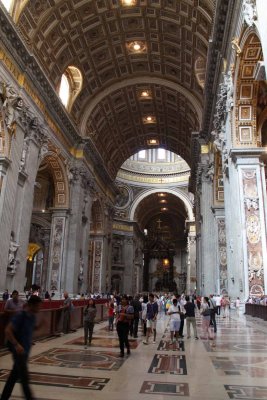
(223, 275)
(253, 232)
(97, 265)
(56, 252)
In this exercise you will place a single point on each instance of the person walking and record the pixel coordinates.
(19, 333)
(137, 310)
(237, 305)
(5, 295)
(190, 317)
(111, 314)
(89, 315)
(181, 302)
(144, 312)
(175, 321)
(151, 318)
(212, 303)
(125, 314)
(206, 312)
(14, 304)
(67, 305)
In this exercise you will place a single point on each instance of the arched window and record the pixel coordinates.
(70, 86)
(161, 154)
(64, 90)
(8, 4)
(142, 154)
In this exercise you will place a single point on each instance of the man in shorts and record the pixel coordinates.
(151, 318)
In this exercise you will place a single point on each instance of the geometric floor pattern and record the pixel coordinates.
(246, 392)
(232, 366)
(168, 364)
(72, 358)
(99, 341)
(248, 366)
(166, 345)
(77, 382)
(164, 388)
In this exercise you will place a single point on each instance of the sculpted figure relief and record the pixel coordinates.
(249, 12)
(13, 248)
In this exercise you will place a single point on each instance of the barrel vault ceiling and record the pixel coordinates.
(164, 213)
(97, 37)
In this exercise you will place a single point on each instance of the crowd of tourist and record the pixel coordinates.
(124, 313)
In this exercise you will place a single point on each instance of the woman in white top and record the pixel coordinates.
(175, 321)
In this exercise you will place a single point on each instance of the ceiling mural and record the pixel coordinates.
(110, 43)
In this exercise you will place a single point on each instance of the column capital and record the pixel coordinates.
(245, 156)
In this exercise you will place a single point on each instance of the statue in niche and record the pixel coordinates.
(210, 172)
(249, 12)
(43, 150)
(116, 253)
(11, 104)
(13, 248)
(81, 269)
(228, 81)
(24, 153)
(123, 197)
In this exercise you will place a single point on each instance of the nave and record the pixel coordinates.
(235, 368)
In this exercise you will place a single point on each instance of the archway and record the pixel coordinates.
(163, 216)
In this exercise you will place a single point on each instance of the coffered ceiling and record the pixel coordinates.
(165, 205)
(98, 38)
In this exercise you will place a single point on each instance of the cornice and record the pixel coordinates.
(11, 40)
(218, 44)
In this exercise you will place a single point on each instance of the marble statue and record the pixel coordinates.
(13, 248)
(249, 12)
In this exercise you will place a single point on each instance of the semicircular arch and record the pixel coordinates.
(137, 81)
(246, 88)
(58, 172)
(176, 192)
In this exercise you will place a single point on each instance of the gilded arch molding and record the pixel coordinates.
(60, 179)
(246, 133)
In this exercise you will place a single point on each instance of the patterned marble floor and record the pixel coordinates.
(233, 366)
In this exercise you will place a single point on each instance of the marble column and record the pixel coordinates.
(128, 250)
(221, 273)
(76, 263)
(191, 265)
(9, 167)
(45, 284)
(105, 273)
(29, 164)
(58, 249)
(246, 224)
(208, 241)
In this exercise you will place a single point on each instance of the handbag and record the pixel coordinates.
(206, 312)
